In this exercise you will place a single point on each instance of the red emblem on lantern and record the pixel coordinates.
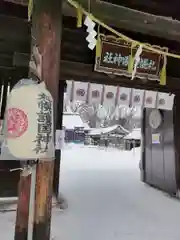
(17, 122)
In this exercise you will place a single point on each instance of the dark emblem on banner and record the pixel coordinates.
(80, 92)
(95, 94)
(123, 97)
(137, 99)
(109, 95)
(161, 101)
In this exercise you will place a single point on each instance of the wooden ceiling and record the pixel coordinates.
(126, 16)
(15, 43)
(158, 7)
(15, 37)
(20, 2)
(130, 19)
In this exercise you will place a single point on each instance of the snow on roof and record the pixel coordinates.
(135, 134)
(71, 121)
(98, 131)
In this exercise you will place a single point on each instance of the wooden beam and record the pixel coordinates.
(131, 20)
(79, 71)
(14, 28)
(21, 59)
(14, 60)
(8, 8)
(163, 8)
(8, 46)
(19, 2)
(6, 60)
(116, 16)
(85, 73)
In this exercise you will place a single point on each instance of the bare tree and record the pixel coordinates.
(90, 114)
(97, 115)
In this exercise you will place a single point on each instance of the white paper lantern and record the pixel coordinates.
(29, 122)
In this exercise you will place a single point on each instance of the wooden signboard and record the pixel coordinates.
(114, 59)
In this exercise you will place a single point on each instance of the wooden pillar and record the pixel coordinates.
(47, 34)
(22, 214)
(58, 151)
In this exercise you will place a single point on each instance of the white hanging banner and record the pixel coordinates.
(60, 136)
(29, 122)
(150, 99)
(137, 97)
(80, 91)
(95, 93)
(124, 96)
(109, 98)
(69, 89)
(165, 101)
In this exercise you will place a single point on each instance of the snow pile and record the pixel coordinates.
(93, 157)
(99, 131)
(106, 200)
(135, 134)
(71, 121)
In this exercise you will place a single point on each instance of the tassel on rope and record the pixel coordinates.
(79, 17)
(30, 9)
(163, 72)
(98, 44)
(131, 59)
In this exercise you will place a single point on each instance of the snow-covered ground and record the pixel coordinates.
(106, 200)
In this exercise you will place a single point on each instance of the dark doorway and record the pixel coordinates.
(9, 179)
